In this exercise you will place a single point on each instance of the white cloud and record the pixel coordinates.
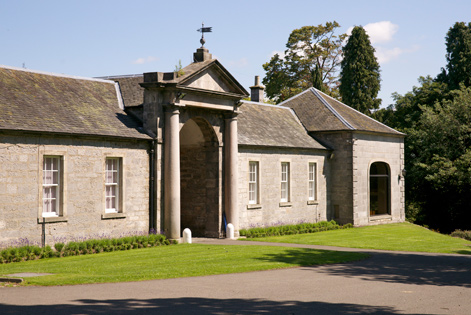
(379, 32)
(385, 55)
(240, 63)
(140, 61)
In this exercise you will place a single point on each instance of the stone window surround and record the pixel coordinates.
(256, 204)
(314, 201)
(380, 217)
(121, 214)
(62, 216)
(285, 202)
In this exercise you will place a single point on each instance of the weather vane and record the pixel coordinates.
(203, 30)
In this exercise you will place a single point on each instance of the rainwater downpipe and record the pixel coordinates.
(151, 185)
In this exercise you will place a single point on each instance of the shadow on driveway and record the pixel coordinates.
(198, 306)
(438, 270)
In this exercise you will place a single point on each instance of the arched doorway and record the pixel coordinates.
(199, 173)
(379, 189)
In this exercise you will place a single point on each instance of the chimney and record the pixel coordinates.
(256, 91)
(202, 54)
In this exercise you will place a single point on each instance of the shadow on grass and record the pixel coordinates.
(439, 270)
(197, 306)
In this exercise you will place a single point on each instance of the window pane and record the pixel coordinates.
(112, 184)
(51, 187)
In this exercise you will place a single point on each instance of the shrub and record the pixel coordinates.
(291, 229)
(462, 234)
(59, 246)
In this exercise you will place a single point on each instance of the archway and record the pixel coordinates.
(379, 189)
(199, 173)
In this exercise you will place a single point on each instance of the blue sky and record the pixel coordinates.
(103, 37)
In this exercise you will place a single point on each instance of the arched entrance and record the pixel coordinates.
(199, 173)
(379, 189)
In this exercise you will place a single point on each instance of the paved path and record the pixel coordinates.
(386, 283)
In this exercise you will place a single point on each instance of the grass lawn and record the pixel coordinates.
(171, 262)
(399, 236)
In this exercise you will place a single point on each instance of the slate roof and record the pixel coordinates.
(131, 91)
(274, 126)
(44, 102)
(319, 112)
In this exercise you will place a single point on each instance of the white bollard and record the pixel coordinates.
(230, 231)
(187, 236)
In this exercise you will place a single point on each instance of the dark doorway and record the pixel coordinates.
(379, 189)
(199, 167)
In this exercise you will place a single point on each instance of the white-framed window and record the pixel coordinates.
(312, 181)
(112, 185)
(253, 182)
(51, 186)
(284, 182)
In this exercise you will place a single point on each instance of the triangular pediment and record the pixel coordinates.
(210, 77)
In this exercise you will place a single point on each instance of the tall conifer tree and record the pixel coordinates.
(458, 56)
(360, 78)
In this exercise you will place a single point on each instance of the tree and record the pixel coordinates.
(408, 108)
(439, 166)
(360, 78)
(307, 48)
(458, 48)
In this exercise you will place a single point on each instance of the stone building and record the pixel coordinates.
(84, 157)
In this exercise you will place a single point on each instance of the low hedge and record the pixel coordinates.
(94, 246)
(462, 234)
(292, 229)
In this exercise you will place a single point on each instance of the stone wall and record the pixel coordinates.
(341, 180)
(270, 210)
(83, 188)
(368, 149)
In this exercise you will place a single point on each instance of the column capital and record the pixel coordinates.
(172, 108)
(232, 115)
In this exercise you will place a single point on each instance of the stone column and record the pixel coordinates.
(231, 174)
(172, 173)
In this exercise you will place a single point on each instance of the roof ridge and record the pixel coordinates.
(329, 107)
(349, 107)
(293, 97)
(57, 74)
(264, 104)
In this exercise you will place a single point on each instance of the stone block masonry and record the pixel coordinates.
(270, 210)
(83, 188)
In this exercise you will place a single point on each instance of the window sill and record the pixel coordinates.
(312, 202)
(107, 216)
(381, 217)
(254, 206)
(52, 219)
(286, 204)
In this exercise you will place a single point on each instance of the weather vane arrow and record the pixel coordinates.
(203, 30)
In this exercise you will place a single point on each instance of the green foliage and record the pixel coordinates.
(291, 229)
(179, 69)
(438, 162)
(17, 254)
(462, 234)
(308, 48)
(408, 108)
(458, 48)
(360, 78)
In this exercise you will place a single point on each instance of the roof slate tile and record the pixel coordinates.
(34, 101)
(268, 125)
